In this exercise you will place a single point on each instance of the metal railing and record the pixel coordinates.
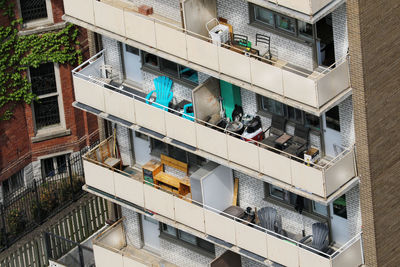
(317, 99)
(296, 243)
(100, 81)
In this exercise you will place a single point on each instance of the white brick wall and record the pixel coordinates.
(237, 14)
(132, 227)
(181, 255)
(113, 54)
(124, 145)
(347, 122)
(339, 24)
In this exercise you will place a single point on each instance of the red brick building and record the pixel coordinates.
(41, 136)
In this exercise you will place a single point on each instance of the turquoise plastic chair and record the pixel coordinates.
(185, 107)
(163, 92)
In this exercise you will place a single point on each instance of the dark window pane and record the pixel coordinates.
(168, 229)
(169, 67)
(61, 164)
(340, 207)
(295, 114)
(305, 29)
(33, 9)
(43, 79)
(188, 74)
(150, 60)
(312, 120)
(285, 23)
(206, 245)
(332, 118)
(277, 192)
(46, 112)
(48, 167)
(187, 237)
(272, 106)
(264, 15)
(131, 49)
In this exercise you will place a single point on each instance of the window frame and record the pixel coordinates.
(277, 30)
(160, 70)
(48, 130)
(285, 113)
(176, 238)
(56, 168)
(38, 22)
(11, 184)
(308, 208)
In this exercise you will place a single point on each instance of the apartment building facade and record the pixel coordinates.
(39, 138)
(194, 185)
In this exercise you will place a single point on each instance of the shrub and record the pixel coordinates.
(16, 221)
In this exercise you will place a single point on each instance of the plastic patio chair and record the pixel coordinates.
(185, 112)
(269, 219)
(319, 237)
(163, 92)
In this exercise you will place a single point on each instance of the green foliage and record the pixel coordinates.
(16, 221)
(18, 53)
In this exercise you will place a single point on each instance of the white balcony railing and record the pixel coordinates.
(253, 73)
(110, 249)
(319, 180)
(216, 223)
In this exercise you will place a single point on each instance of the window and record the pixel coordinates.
(13, 183)
(54, 165)
(187, 238)
(290, 113)
(291, 200)
(170, 68)
(131, 49)
(264, 15)
(333, 119)
(280, 23)
(340, 207)
(33, 9)
(285, 23)
(150, 60)
(305, 29)
(44, 84)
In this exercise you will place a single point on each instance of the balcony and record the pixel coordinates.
(307, 7)
(212, 224)
(110, 249)
(316, 181)
(315, 92)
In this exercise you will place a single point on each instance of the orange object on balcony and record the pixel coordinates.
(145, 10)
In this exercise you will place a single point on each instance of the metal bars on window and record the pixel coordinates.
(33, 9)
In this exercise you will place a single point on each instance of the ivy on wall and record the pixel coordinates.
(18, 53)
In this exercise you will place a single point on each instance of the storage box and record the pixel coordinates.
(145, 10)
(219, 33)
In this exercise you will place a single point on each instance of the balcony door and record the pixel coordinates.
(141, 147)
(339, 221)
(151, 231)
(132, 65)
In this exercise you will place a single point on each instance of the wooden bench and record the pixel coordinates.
(170, 182)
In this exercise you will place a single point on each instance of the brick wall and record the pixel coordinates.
(19, 150)
(132, 228)
(340, 36)
(237, 14)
